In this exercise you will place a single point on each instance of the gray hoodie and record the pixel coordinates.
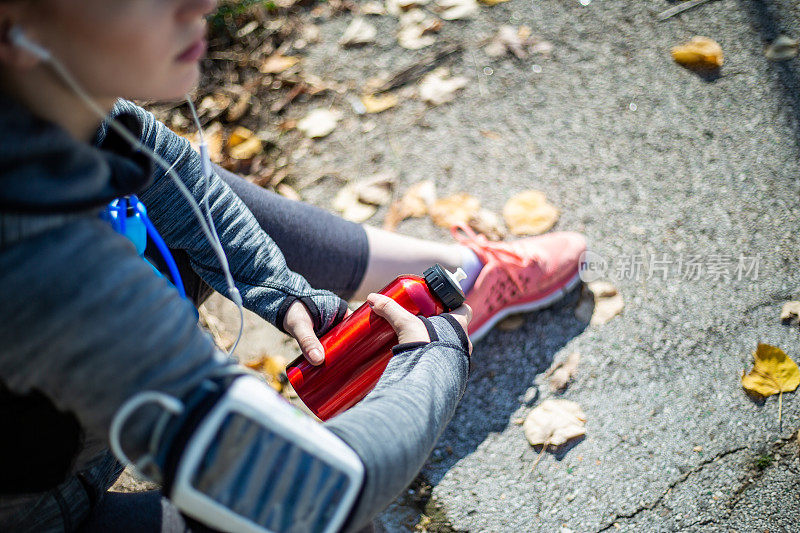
(85, 324)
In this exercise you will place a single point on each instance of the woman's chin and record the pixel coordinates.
(176, 89)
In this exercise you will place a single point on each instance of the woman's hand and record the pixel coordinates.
(408, 327)
(297, 323)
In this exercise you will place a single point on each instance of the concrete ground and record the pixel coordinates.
(655, 164)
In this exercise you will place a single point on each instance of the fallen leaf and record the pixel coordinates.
(509, 39)
(489, 224)
(453, 210)
(600, 301)
(214, 140)
(377, 103)
(272, 369)
(238, 136)
(415, 203)
(544, 48)
(511, 323)
(492, 2)
(700, 53)
(277, 63)
(561, 373)
(782, 48)
(528, 213)
(358, 33)
(398, 7)
(773, 372)
(287, 125)
(310, 33)
(288, 192)
(554, 422)
(436, 87)
(346, 202)
(243, 144)
(414, 30)
(457, 9)
(372, 8)
(247, 150)
(239, 108)
(319, 122)
(790, 314)
(376, 190)
(213, 105)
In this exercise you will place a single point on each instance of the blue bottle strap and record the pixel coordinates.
(152, 232)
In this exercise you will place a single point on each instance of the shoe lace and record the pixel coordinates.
(500, 253)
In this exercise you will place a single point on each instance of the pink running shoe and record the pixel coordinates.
(521, 275)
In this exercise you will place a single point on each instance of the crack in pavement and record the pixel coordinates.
(683, 477)
(754, 474)
(752, 477)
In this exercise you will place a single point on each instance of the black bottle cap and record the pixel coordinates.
(444, 287)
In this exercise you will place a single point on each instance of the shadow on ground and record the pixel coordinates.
(505, 366)
(767, 19)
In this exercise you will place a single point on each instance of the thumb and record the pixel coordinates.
(300, 327)
(408, 327)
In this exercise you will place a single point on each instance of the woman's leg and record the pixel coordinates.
(330, 252)
(335, 254)
(354, 260)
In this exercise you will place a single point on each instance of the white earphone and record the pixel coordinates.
(20, 40)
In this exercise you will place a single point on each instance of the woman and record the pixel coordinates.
(88, 327)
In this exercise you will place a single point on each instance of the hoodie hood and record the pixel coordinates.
(43, 169)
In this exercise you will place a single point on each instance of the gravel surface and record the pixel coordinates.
(650, 161)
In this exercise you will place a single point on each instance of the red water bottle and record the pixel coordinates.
(358, 349)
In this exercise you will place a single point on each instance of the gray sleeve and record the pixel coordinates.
(394, 428)
(257, 265)
(87, 323)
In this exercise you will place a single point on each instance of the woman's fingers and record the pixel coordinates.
(408, 327)
(299, 325)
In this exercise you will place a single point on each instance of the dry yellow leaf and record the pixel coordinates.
(782, 48)
(277, 63)
(511, 323)
(375, 190)
(238, 136)
(352, 209)
(377, 103)
(271, 368)
(773, 372)
(554, 422)
(213, 136)
(489, 224)
(492, 2)
(288, 192)
(242, 144)
(415, 203)
(319, 122)
(790, 313)
(528, 213)
(214, 141)
(453, 210)
(600, 301)
(561, 373)
(699, 53)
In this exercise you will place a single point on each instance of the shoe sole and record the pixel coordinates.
(550, 299)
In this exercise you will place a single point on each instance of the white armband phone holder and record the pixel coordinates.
(256, 464)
